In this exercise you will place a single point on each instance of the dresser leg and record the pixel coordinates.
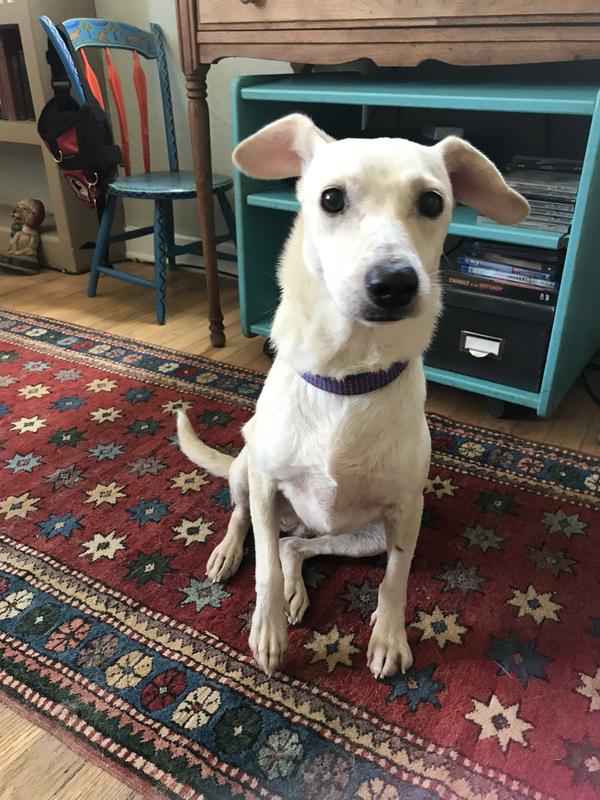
(200, 139)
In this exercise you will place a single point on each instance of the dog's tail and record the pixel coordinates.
(212, 461)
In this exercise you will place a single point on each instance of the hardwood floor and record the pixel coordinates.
(30, 757)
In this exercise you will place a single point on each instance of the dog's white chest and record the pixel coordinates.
(338, 462)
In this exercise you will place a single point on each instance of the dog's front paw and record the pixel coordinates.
(296, 598)
(224, 561)
(268, 637)
(388, 650)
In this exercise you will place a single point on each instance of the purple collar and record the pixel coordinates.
(360, 383)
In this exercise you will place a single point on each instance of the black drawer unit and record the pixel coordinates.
(492, 338)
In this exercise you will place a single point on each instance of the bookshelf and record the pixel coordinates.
(68, 225)
(561, 111)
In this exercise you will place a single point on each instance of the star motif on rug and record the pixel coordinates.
(312, 575)
(172, 406)
(361, 597)
(72, 403)
(106, 452)
(36, 366)
(139, 395)
(193, 531)
(59, 525)
(430, 517)
(149, 511)
(7, 380)
(148, 465)
(222, 498)
(149, 567)
(9, 356)
(18, 506)
(189, 482)
(440, 626)
(497, 503)
(583, 760)
(538, 605)
(66, 438)
(521, 659)
(204, 593)
(64, 375)
(500, 722)
(101, 385)
(5, 410)
(440, 487)
(144, 427)
(559, 522)
(333, 647)
(215, 418)
(23, 463)
(66, 477)
(102, 415)
(462, 579)
(29, 424)
(417, 686)
(33, 391)
(545, 559)
(485, 538)
(105, 493)
(590, 688)
(103, 546)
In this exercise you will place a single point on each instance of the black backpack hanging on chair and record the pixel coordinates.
(73, 125)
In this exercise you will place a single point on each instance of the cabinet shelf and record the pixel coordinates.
(19, 132)
(464, 222)
(343, 89)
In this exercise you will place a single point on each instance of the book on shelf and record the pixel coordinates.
(550, 185)
(548, 163)
(469, 264)
(499, 288)
(547, 225)
(485, 272)
(539, 259)
(15, 94)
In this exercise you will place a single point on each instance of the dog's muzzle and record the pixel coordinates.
(391, 286)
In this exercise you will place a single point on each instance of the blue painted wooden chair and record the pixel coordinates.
(161, 187)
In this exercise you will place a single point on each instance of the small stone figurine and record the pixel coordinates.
(24, 242)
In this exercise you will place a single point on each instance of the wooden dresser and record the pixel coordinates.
(389, 32)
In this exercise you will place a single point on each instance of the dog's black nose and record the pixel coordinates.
(392, 284)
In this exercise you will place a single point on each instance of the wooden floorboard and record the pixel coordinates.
(30, 757)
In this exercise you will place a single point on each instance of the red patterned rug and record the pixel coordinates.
(111, 636)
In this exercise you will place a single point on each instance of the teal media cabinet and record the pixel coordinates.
(560, 118)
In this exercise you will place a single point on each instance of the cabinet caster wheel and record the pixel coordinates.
(498, 408)
(269, 349)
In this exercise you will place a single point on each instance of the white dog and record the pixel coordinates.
(339, 444)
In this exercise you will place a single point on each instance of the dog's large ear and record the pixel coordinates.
(477, 183)
(282, 149)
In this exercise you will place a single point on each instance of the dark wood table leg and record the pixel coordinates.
(200, 136)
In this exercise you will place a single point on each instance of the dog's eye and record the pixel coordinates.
(332, 200)
(431, 204)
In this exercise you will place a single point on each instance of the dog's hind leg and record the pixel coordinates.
(293, 552)
(225, 559)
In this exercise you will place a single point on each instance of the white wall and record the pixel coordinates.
(141, 13)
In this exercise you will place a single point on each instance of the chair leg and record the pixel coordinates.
(161, 251)
(228, 214)
(170, 231)
(101, 249)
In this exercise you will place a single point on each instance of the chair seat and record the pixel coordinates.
(163, 185)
